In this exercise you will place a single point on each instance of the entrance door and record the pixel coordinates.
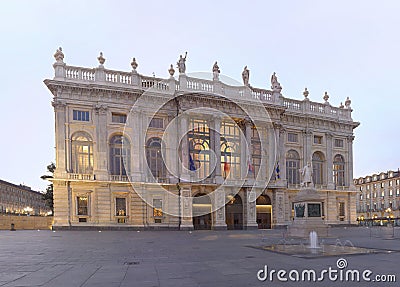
(201, 212)
(264, 211)
(234, 213)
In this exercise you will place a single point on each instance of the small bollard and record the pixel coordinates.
(12, 227)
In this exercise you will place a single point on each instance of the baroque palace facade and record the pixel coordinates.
(184, 152)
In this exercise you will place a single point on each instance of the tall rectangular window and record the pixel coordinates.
(118, 118)
(292, 137)
(341, 210)
(80, 115)
(120, 206)
(338, 143)
(82, 205)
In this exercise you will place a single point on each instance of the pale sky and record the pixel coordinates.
(347, 48)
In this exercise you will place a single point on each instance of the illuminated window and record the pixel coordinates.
(82, 205)
(391, 192)
(292, 167)
(157, 210)
(338, 170)
(80, 115)
(367, 195)
(391, 183)
(292, 137)
(118, 118)
(230, 150)
(155, 159)
(382, 184)
(82, 153)
(199, 147)
(120, 208)
(383, 193)
(318, 167)
(119, 155)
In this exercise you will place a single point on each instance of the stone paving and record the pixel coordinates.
(178, 258)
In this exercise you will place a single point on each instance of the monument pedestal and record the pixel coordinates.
(308, 214)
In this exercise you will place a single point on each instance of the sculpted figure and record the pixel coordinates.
(246, 76)
(306, 175)
(181, 64)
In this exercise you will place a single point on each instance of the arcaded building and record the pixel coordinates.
(378, 198)
(184, 152)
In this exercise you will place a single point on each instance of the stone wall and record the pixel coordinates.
(25, 222)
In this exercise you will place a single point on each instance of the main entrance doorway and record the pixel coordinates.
(201, 212)
(234, 213)
(264, 211)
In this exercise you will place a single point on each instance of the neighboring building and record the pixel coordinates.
(21, 199)
(378, 199)
(142, 152)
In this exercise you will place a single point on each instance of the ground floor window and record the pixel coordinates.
(82, 205)
(120, 209)
(341, 211)
(157, 210)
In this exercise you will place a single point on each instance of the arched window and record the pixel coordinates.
(292, 167)
(120, 155)
(82, 153)
(154, 158)
(230, 150)
(318, 167)
(338, 170)
(199, 147)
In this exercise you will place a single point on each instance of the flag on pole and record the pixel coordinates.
(227, 166)
(277, 171)
(192, 167)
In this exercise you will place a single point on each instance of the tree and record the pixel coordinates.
(48, 195)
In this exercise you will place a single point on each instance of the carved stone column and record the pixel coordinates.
(279, 208)
(219, 207)
(249, 148)
(251, 209)
(186, 207)
(100, 160)
(215, 142)
(184, 144)
(137, 142)
(329, 161)
(307, 139)
(61, 140)
(349, 173)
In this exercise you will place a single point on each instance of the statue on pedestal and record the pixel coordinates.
(181, 64)
(306, 175)
(246, 76)
(216, 71)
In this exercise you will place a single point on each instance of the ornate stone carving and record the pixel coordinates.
(58, 105)
(246, 76)
(171, 71)
(275, 85)
(347, 103)
(181, 64)
(134, 64)
(101, 59)
(326, 98)
(100, 109)
(216, 71)
(59, 55)
(306, 175)
(305, 94)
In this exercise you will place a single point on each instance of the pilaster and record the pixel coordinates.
(219, 207)
(329, 161)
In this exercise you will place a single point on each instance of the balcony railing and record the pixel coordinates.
(80, 176)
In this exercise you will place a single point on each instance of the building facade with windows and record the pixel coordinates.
(186, 152)
(21, 199)
(378, 199)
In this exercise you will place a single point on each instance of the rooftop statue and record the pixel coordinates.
(216, 71)
(181, 64)
(246, 76)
